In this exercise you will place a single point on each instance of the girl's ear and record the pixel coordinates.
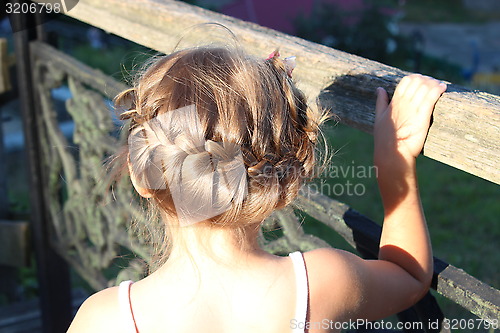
(143, 192)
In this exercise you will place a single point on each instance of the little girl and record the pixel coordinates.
(218, 140)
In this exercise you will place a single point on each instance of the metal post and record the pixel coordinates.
(8, 274)
(4, 204)
(52, 270)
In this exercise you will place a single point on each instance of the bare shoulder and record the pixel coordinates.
(351, 287)
(329, 262)
(334, 281)
(99, 313)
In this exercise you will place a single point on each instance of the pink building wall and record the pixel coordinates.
(279, 14)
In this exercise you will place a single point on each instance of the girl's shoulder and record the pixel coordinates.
(99, 313)
(346, 286)
(334, 283)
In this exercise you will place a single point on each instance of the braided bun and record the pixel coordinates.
(203, 177)
(219, 136)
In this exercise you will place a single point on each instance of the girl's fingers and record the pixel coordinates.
(416, 88)
(402, 86)
(422, 93)
(431, 98)
(382, 101)
(425, 91)
(413, 100)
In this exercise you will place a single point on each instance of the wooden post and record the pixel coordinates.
(4, 67)
(52, 270)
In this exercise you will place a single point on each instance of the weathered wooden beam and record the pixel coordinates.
(364, 235)
(6, 61)
(465, 131)
(466, 290)
(15, 251)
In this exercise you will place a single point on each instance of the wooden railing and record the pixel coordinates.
(73, 221)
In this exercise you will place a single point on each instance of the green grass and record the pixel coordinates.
(120, 62)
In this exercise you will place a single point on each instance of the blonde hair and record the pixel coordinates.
(246, 107)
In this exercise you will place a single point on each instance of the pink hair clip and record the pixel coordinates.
(274, 54)
(290, 64)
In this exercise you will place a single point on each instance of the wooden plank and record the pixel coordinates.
(466, 290)
(465, 130)
(4, 67)
(359, 231)
(14, 243)
(364, 235)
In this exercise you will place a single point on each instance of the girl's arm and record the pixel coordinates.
(400, 131)
(374, 289)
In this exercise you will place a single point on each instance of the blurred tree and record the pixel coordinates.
(370, 32)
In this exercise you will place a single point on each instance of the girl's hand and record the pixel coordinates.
(401, 126)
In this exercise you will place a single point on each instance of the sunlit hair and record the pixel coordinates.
(241, 101)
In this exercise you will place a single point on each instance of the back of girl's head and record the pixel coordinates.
(220, 136)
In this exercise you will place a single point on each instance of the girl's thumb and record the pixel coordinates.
(382, 100)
